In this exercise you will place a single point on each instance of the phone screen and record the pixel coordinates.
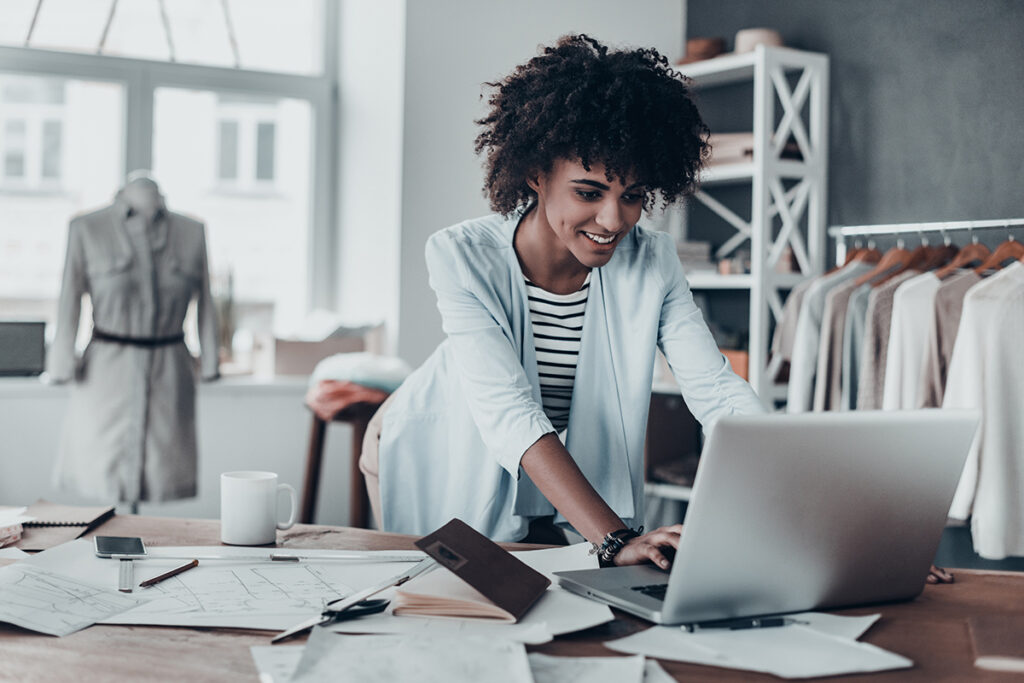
(107, 546)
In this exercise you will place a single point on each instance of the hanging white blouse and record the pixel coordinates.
(913, 315)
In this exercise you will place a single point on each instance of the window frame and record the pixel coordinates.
(140, 78)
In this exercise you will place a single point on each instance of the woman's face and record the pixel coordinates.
(588, 213)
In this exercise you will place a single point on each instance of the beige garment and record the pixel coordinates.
(827, 392)
(130, 430)
(782, 340)
(949, 302)
(876, 342)
(369, 459)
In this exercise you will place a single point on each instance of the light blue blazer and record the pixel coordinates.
(455, 431)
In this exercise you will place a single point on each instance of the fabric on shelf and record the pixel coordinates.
(329, 397)
(805, 342)
(913, 315)
(876, 342)
(949, 302)
(827, 393)
(986, 373)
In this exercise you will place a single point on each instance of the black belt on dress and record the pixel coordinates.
(149, 342)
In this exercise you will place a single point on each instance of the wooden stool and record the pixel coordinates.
(358, 417)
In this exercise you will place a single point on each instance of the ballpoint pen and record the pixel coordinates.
(166, 575)
(742, 624)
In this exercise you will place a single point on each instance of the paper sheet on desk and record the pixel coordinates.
(826, 647)
(369, 659)
(555, 613)
(54, 604)
(220, 593)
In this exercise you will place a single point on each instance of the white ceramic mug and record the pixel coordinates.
(248, 508)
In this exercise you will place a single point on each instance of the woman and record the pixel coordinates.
(553, 308)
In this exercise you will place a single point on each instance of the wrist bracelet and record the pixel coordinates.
(612, 544)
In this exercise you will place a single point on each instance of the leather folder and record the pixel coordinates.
(501, 578)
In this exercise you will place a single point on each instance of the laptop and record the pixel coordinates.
(791, 513)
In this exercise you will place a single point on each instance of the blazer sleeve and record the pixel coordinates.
(61, 359)
(209, 360)
(498, 392)
(709, 386)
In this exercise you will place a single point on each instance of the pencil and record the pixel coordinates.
(174, 572)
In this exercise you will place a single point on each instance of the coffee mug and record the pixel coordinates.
(248, 508)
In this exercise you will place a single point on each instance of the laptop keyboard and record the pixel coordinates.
(655, 590)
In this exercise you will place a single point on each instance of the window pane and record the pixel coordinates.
(51, 148)
(228, 163)
(265, 151)
(88, 128)
(257, 232)
(269, 35)
(14, 148)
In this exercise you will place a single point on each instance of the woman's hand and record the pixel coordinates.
(649, 547)
(939, 575)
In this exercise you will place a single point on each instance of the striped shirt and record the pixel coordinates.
(557, 330)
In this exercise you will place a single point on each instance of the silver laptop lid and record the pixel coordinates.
(795, 512)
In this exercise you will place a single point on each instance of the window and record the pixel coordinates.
(242, 150)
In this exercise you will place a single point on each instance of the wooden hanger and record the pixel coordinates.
(973, 253)
(1010, 250)
(894, 258)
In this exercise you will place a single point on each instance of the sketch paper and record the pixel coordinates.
(793, 651)
(548, 669)
(55, 604)
(218, 593)
(654, 673)
(276, 663)
(370, 659)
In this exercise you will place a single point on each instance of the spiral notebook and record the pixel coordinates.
(55, 523)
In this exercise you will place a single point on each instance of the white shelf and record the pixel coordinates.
(670, 491)
(740, 173)
(707, 280)
(729, 69)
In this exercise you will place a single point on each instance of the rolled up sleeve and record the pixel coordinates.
(497, 390)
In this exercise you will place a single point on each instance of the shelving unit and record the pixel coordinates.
(788, 197)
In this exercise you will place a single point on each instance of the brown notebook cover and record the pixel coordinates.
(55, 523)
(497, 575)
(998, 642)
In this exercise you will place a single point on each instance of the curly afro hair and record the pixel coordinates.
(628, 110)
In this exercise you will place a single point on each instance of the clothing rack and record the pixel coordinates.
(841, 232)
(844, 231)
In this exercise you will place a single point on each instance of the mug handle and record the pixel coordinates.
(294, 506)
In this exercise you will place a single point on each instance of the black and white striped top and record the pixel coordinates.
(557, 330)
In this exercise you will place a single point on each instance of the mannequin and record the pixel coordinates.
(130, 431)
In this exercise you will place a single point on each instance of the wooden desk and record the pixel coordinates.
(931, 630)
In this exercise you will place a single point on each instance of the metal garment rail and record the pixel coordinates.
(842, 231)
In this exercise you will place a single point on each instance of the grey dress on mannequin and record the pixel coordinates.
(130, 433)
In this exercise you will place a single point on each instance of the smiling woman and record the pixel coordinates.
(530, 417)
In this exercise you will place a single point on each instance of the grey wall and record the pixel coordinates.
(927, 103)
(451, 48)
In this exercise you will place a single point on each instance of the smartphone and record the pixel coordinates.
(119, 546)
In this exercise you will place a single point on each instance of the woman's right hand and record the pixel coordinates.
(649, 547)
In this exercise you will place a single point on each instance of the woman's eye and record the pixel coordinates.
(632, 198)
(588, 195)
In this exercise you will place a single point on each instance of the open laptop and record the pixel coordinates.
(797, 512)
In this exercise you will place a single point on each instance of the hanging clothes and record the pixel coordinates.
(130, 430)
(828, 378)
(985, 373)
(805, 343)
(876, 341)
(785, 331)
(938, 350)
(913, 315)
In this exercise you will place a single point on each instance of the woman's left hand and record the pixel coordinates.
(649, 547)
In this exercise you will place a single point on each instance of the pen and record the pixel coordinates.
(742, 624)
(166, 575)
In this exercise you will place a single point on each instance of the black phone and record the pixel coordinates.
(117, 546)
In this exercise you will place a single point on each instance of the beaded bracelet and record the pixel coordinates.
(612, 544)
